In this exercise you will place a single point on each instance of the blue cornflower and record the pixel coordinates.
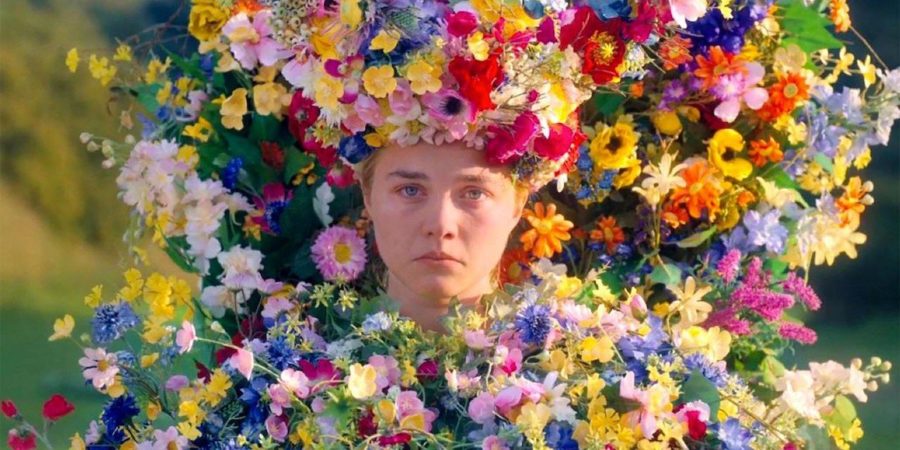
(715, 374)
(610, 9)
(764, 230)
(533, 324)
(111, 321)
(733, 435)
(273, 214)
(280, 353)
(230, 173)
(148, 127)
(119, 412)
(640, 347)
(559, 436)
(354, 148)
(379, 321)
(164, 113)
(822, 136)
(606, 181)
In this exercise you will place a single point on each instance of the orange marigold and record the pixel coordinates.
(718, 63)
(699, 195)
(854, 200)
(246, 6)
(675, 51)
(514, 266)
(548, 231)
(840, 15)
(784, 96)
(609, 233)
(765, 150)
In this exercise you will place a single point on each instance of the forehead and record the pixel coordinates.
(445, 163)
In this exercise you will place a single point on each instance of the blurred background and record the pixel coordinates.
(61, 223)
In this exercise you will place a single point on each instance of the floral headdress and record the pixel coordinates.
(494, 74)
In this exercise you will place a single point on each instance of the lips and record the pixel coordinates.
(437, 256)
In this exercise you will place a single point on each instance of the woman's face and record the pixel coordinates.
(442, 217)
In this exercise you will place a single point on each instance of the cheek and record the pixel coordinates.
(489, 233)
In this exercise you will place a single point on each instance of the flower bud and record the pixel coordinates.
(85, 137)
(886, 366)
(856, 363)
(872, 386)
(876, 361)
(93, 146)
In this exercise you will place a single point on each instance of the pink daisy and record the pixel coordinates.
(339, 254)
(99, 367)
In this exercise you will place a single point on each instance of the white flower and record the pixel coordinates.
(219, 299)
(661, 180)
(797, 393)
(324, 197)
(242, 266)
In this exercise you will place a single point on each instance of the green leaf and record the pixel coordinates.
(697, 239)
(776, 266)
(191, 67)
(298, 222)
(843, 413)
(667, 274)
(303, 265)
(264, 128)
(806, 27)
(700, 388)
(243, 148)
(781, 179)
(146, 96)
(772, 369)
(825, 162)
(815, 438)
(294, 160)
(606, 103)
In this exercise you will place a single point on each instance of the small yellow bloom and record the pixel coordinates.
(149, 360)
(123, 53)
(234, 108)
(206, 19)
(478, 46)
(62, 328)
(413, 422)
(201, 130)
(379, 81)
(101, 69)
(361, 382)
(351, 13)
(385, 40)
(593, 349)
(666, 122)
(423, 77)
(72, 61)
(568, 286)
(156, 68)
(534, 417)
(271, 99)
(385, 410)
(328, 91)
(77, 443)
(93, 299)
(867, 70)
(153, 410)
(724, 148)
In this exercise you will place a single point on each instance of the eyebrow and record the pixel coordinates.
(409, 175)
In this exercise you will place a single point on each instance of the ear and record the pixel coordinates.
(521, 200)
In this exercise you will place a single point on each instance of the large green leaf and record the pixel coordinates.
(698, 387)
(806, 27)
(667, 274)
(697, 239)
(815, 438)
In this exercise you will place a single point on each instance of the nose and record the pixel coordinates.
(442, 218)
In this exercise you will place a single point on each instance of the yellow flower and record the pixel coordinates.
(77, 443)
(627, 176)
(690, 303)
(149, 360)
(206, 19)
(123, 53)
(560, 103)
(568, 286)
(533, 416)
(385, 40)
(92, 300)
(666, 122)
(72, 60)
(723, 149)
(101, 69)
(478, 46)
(156, 68)
(351, 13)
(362, 381)
(413, 422)
(217, 387)
(155, 329)
(515, 16)
(328, 91)
(548, 231)
(614, 146)
(379, 81)
(62, 328)
(867, 70)
(234, 108)
(153, 410)
(423, 77)
(200, 131)
(270, 99)
(385, 410)
(189, 431)
(593, 349)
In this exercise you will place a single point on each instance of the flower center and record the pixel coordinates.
(342, 253)
(791, 90)
(102, 365)
(605, 48)
(452, 106)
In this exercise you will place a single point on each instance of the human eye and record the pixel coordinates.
(409, 191)
(474, 194)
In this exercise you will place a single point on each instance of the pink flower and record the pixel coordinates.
(280, 398)
(798, 332)
(277, 427)
(508, 399)
(729, 265)
(408, 403)
(9, 408)
(508, 144)
(481, 408)
(366, 111)
(176, 382)
(339, 254)
(512, 360)
(557, 144)
(453, 111)
(493, 442)
(185, 337)
(251, 42)
(403, 103)
(340, 175)
(739, 88)
(461, 23)
(476, 339)
(387, 370)
(296, 382)
(21, 439)
(321, 374)
(684, 10)
(169, 439)
(99, 367)
(270, 206)
(695, 415)
(57, 407)
(242, 360)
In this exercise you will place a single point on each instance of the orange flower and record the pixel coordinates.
(699, 195)
(765, 150)
(840, 15)
(548, 231)
(719, 63)
(675, 51)
(514, 266)
(608, 232)
(854, 201)
(784, 95)
(246, 6)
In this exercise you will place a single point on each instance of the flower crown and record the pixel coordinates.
(498, 76)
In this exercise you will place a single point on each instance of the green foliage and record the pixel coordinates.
(807, 27)
(697, 387)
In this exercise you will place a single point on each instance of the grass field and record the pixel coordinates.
(43, 277)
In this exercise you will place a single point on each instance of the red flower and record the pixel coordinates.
(574, 151)
(696, 427)
(57, 407)
(302, 113)
(508, 144)
(25, 441)
(477, 79)
(366, 425)
(599, 43)
(427, 371)
(557, 144)
(9, 408)
(340, 175)
(461, 23)
(395, 439)
(272, 154)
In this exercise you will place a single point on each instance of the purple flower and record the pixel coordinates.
(798, 332)
(795, 285)
(734, 436)
(275, 198)
(729, 264)
(823, 137)
(339, 254)
(533, 324)
(453, 111)
(765, 230)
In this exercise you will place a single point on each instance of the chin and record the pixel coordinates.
(438, 286)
